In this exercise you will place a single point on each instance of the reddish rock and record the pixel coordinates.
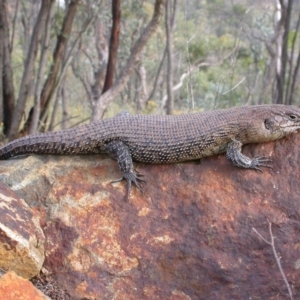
(188, 236)
(13, 287)
(21, 237)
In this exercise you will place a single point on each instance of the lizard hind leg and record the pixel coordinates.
(120, 151)
(234, 154)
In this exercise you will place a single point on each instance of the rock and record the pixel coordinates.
(21, 237)
(188, 236)
(13, 287)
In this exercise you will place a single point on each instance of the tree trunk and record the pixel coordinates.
(29, 68)
(113, 46)
(293, 72)
(14, 27)
(105, 99)
(41, 71)
(7, 77)
(282, 52)
(169, 36)
(7, 99)
(2, 29)
(50, 84)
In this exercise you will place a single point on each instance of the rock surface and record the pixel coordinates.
(13, 287)
(188, 236)
(21, 237)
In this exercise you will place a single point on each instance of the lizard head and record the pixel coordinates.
(284, 119)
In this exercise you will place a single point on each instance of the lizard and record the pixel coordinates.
(168, 139)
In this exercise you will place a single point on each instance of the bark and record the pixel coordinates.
(7, 95)
(283, 52)
(105, 99)
(2, 28)
(50, 84)
(294, 80)
(14, 27)
(41, 71)
(169, 40)
(292, 77)
(29, 69)
(7, 77)
(113, 46)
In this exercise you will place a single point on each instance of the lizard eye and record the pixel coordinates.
(292, 117)
(268, 124)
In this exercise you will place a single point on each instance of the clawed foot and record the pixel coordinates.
(234, 154)
(131, 177)
(260, 161)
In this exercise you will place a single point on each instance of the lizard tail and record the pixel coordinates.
(62, 143)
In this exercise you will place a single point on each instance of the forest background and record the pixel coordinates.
(66, 62)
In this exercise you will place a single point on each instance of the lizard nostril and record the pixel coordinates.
(292, 117)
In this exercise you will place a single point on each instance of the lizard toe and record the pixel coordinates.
(260, 161)
(131, 177)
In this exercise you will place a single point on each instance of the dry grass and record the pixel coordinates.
(49, 287)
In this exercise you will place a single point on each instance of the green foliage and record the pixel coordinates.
(293, 37)
(239, 9)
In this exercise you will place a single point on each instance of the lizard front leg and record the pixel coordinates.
(120, 151)
(235, 155)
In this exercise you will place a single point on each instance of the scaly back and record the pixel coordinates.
(165, 139)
